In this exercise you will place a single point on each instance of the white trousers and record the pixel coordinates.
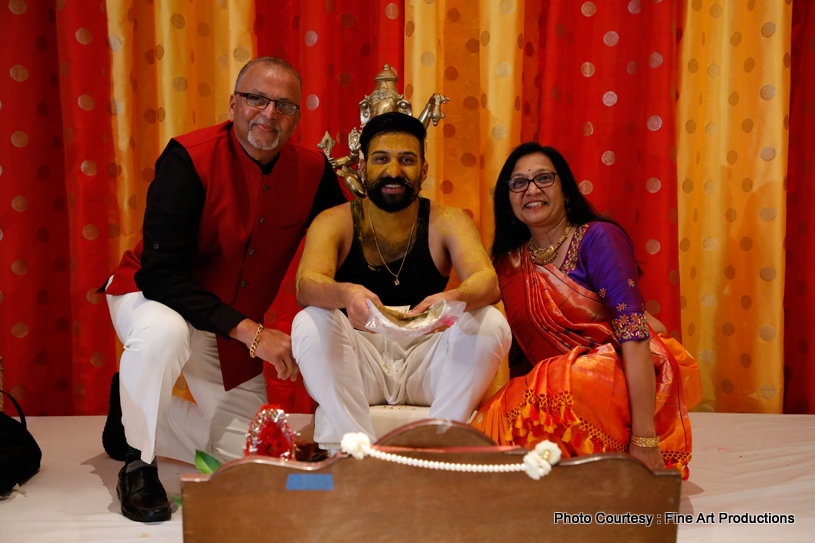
(346, 370)
(158, 343)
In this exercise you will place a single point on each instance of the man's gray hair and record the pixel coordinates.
(273, 61)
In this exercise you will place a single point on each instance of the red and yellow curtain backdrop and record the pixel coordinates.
(470, 54)
(732, 138)
(56, 237)
(799, 287)
(172, 68)
(605, 90)
(90, 92)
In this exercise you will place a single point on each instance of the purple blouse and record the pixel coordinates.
(601, 258)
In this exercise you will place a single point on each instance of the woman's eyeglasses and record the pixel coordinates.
(520, 184)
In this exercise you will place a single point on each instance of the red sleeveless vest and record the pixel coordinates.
(243, 212)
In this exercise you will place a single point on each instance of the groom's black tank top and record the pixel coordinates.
(419, 277)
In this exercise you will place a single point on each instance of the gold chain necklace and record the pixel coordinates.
(547, 255)
(407, 248)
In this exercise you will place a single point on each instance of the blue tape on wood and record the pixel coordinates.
(310, 481)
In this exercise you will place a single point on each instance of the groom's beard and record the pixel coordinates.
(391, 202)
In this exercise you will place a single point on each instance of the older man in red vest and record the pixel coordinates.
(225, 214)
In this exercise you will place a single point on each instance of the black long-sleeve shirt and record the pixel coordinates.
(175, 202)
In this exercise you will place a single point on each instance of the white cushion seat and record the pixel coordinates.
(385, 418)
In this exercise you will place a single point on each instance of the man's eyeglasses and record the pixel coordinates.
(520, 184)
(260, 102)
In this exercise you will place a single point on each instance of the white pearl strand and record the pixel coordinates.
(447, 466)
(537, 463)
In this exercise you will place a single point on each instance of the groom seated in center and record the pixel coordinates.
(394, 248)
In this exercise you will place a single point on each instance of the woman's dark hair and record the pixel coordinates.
(509, 231)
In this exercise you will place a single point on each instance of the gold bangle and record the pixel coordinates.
(645, 441)
(255, 341)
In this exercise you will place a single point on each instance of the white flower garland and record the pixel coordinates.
(537, 462)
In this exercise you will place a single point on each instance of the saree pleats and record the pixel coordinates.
(576, 395)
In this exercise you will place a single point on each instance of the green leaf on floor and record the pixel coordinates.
(177, 500)
(205, 462)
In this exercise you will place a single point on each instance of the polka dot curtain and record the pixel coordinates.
(799, 299)
(56, 233)
(471, 53)
(173, 67)
(533, 61)
(604, 96)
(338, 46)
(732, 138)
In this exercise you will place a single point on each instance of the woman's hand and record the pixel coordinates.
(641, 382)
(650, 456)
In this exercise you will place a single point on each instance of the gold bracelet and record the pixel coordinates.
(255, 341)
(645, 441)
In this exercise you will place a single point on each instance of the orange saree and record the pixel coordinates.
(576, 395)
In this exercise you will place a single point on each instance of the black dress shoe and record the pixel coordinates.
(113, 436)
(142, 495)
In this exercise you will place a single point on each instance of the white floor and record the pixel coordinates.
(741, 464)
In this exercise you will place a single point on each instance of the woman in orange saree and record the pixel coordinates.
(603, 380)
